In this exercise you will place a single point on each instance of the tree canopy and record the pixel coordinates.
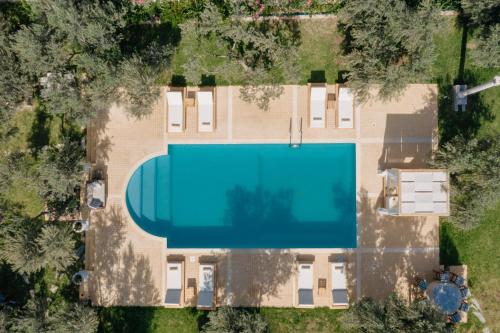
(387, 43)
(28, 245)
(484, 15)
(474, 167)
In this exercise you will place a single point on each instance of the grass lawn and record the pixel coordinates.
(478, 249)
(161, 320)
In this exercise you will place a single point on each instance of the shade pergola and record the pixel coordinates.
(415, 192)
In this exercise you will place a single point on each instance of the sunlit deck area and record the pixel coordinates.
(128, 266)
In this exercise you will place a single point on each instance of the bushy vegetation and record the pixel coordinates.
(387, 43)
(394, 315)
(234, 320)
(474, 167)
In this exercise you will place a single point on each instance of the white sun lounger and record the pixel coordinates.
(206, 286)
(175, 110)
(339, 284)
(317, 108)
(306, 285)
(346, 109)
(205, 103)
(174, 283)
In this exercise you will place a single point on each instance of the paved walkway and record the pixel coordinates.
(128, 265)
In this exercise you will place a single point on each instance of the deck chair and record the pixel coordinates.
(206, 286)
(206, 111)
(339, 284)
(346, 109)
(174, 283)
(175, 110)
(317, 107)
(306, 284)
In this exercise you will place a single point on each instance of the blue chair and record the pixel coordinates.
(464, 307)
(455, 318)
(464, 291)
(422, 284)
(459, 280)
(443, 276)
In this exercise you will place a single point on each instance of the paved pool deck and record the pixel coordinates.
(128, 266)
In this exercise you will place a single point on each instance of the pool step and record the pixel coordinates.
(155, 203)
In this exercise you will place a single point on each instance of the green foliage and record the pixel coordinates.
(77, 318)
(15, 86)
(57, 244)
(483, 15)
(474, 168)
(138, 80)
(19, 247)
(58, 175)
(387, 43)
(43, 315)
(487, 51)
(260, 50)
(393, 315)
(28, 245)
(234, 320)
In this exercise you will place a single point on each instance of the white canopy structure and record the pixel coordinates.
(317, 107)
(205, 105)
(415, 192)
(346, 109)
(175, 110)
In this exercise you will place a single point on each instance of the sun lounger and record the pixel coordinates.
(174, 283)
(339, 284)
(317, 108)
(346, 109)
(205, 105)
(206, 286)
(175, 110)
(306, 285)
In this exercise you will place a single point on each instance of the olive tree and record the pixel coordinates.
(483, 15)
(387, 43)
(474, 167)
(59, 174)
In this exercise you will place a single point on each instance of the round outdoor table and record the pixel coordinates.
(445, 295)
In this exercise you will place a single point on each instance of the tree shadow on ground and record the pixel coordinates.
(138, 37)
(40, 130)
(258, 275)
(448, 252)
(119, 274)
(125, 319)
(317, 76)
(464, 123)
(384, 271)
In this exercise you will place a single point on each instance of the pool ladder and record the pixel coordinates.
(290, 131)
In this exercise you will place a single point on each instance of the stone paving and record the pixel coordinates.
(127, 265)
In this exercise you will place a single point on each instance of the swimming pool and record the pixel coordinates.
(248, 196)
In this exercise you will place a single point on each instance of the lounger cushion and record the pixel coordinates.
(340, 296)
(173, 296)
(205, 299)
(306, 297)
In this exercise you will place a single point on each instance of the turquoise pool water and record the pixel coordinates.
(248, 196)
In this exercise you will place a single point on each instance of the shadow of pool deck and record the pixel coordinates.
(128, 266)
